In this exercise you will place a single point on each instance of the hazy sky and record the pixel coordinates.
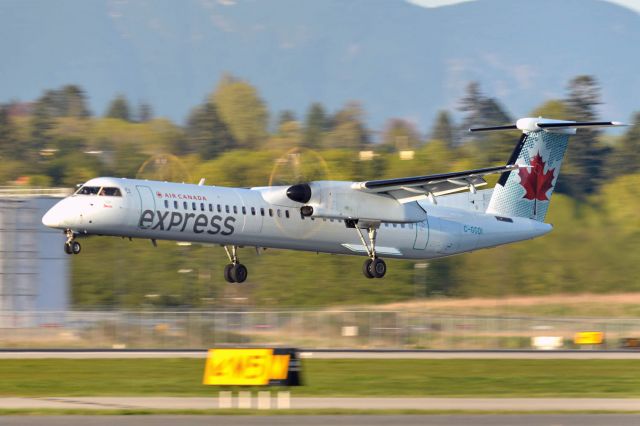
(631, 4)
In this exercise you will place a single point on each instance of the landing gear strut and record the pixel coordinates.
(234, 272)
(71, 246)
(374, 267)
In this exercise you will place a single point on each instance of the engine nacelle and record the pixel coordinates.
(338, 200)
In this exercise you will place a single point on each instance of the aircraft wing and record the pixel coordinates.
(418, 187)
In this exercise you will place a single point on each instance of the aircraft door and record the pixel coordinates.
(147, 201)
(422, 235)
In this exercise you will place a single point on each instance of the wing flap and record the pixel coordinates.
(359, 248)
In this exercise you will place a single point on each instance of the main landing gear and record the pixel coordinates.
(374, 267)
(234, 272)
(71, 246)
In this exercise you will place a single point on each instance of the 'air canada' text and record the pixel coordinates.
(179, 222)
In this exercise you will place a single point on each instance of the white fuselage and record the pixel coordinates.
(243, 217)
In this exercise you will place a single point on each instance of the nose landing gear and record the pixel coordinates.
(234, 272)
(71, 246)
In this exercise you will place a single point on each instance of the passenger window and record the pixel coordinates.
(166, 204)
(210, 207)
(286, 214)
(395, 225)
(262, 211)
(219, 208)
(235, 209)
(175, 205)
(226, 208)
(194, 206)
(185, 205)
(253, 211)
(402, 225)
(270, 212)
(244, 210)
(279, 213)
(202, 206)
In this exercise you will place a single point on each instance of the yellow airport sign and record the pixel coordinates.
(589, 338)
(251, 367)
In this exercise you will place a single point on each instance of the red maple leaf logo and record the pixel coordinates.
(535, 181)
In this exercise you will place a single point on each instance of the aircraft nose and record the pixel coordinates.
(54, 217)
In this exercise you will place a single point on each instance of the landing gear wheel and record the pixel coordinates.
(366, 268)
(239, 273)
(227, 273)
(378, 268)
(67, 248)
(75, 247)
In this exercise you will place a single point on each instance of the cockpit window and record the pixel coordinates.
(88, 190)
(110, 192)
(96, 190)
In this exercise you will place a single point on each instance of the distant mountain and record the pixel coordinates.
(398, 59)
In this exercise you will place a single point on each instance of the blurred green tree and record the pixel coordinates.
(482, 111)
(7, 133)
(348, 130)
(400, 135)
(145, 112)
(119, 108)
(584, 163)
(242, 110)
(68, 101)
(315, 126)
(206, 133)
(443, 128)
(553, 108)
(625, 158)
(289, 135)
(285, 116)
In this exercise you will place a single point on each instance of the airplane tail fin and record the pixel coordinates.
(526, 192)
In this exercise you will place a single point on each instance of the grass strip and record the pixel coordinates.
(341, 377)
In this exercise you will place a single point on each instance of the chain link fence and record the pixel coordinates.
(304, 329)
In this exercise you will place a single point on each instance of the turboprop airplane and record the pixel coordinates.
(419, 217)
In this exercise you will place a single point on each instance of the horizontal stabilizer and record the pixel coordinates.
(553, 126)
(494, 128)
(581, 124)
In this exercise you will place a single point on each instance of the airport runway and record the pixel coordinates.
(350, 420)
(364, 403)
(329, 354)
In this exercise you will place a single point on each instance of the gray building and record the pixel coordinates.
(34, 270)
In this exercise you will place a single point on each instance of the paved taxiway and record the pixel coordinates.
(330, 354)
(365, 403)
(351, 420)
